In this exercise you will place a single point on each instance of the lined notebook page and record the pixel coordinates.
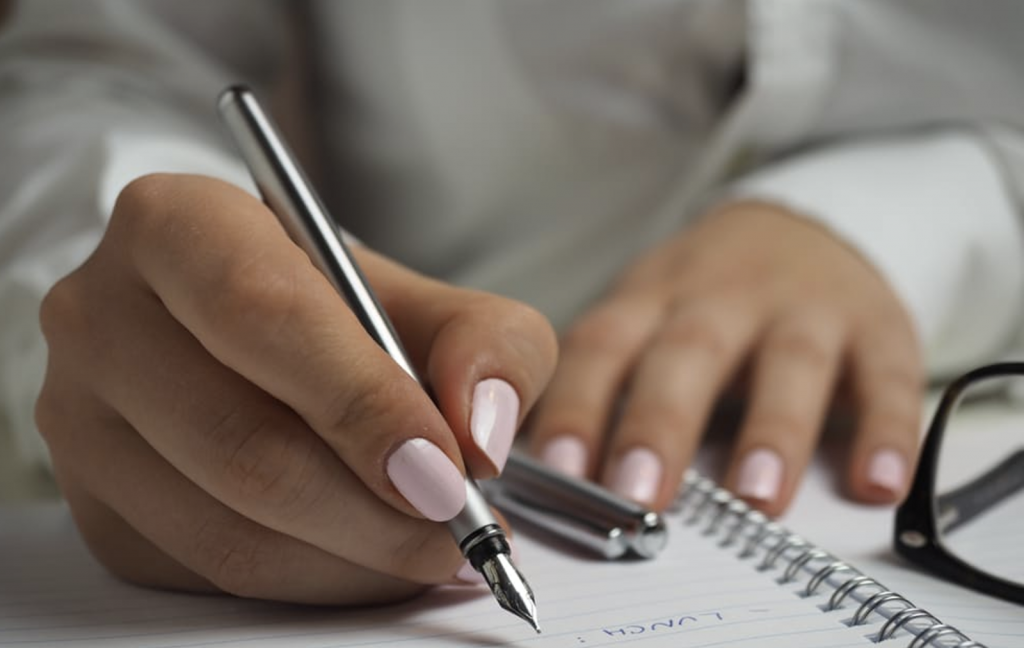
(862, 535)
(696, 594)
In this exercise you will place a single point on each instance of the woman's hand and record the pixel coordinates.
(749, 287)
(219, 420)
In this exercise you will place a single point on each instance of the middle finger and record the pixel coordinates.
(795, 370)
(255, 454)
(674, 387)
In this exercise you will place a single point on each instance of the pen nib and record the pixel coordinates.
(510, 588)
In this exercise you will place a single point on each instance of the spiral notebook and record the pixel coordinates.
(729, 577)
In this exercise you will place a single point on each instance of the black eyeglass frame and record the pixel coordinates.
(917, 536)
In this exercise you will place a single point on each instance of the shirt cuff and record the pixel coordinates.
(104, 170)
(932, 212)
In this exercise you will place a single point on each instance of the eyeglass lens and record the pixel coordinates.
(980, 479)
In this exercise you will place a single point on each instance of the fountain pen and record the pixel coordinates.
(288, 193)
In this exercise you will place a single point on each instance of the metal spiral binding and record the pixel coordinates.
(719, 499)
(934, 632)
(767, 530)
(819, 576)
(729, 511)
(686, 490)
(787, 541)
(795, 565)
(703, 501)
(704, 489)
(897, 620)
(750, 518)
(860, 617)
(847, 588)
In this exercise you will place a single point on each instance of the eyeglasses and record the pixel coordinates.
(964, 517)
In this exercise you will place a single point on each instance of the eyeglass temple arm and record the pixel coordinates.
(959, 506)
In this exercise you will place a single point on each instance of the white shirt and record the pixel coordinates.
(535, 147)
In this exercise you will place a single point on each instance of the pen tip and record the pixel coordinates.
(510, 589)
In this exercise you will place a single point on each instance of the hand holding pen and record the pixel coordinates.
(220, 420)
(419, 470)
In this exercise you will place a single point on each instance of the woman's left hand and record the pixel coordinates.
(749, 286)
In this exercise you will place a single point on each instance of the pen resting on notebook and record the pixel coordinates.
(289, 195)
(578, 511)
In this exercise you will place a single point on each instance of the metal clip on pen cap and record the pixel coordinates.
(578, 511)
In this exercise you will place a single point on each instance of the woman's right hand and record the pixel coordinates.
(219, 420)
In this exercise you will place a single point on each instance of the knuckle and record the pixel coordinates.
(50, 417)
(145, 190)
(254, 297)
(802, 347)
(605, 330)
(569, 416)
(62, 310)
(777, 424)
(530, 324)
(365, 406)
(268, 460)
(236, 561)
(891, 419)
(696, 332)
(138, 210)
(517, 315)
(902, 379)
(76, 356)
(647, 417)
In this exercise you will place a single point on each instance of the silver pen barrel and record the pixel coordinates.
(289, 194)
(285, 189)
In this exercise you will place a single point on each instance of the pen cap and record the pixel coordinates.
(596, 536)
(578, 510)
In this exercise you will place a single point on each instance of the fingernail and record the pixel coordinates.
(760, 476)
(468, 575)
(638, 475)
(493, 419)
(566, 454)
(887, 470)
(425, 476)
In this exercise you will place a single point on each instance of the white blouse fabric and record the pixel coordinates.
(534, 148)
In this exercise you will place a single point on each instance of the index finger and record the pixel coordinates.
(222, 265)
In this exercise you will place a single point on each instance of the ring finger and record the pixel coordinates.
(794, 374)
(156, 527)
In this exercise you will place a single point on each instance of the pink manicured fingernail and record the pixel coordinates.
(493, 419)
(888, 471)
(760, 476)
(566, 454)
(426, 477)
(638, 475)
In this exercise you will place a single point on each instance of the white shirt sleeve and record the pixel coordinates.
(75, 128)
(933, 211)
(105, 166)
